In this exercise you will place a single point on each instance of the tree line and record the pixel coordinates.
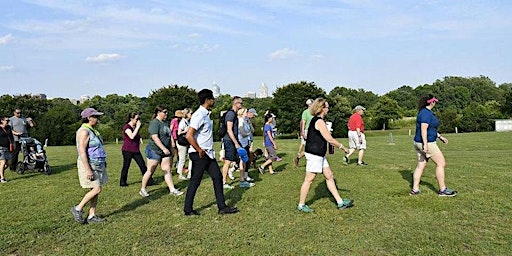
(470, 104)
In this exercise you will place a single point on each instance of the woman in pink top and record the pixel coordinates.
(130, 148)
(175, 122)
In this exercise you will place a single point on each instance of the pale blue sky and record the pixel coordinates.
(69, 48)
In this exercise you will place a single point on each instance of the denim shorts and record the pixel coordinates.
(230, 151)
(153, 155)
(4, 153)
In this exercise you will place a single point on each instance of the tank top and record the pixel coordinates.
(95, 150)
(315, 142)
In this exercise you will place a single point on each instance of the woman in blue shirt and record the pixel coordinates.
(426, 147)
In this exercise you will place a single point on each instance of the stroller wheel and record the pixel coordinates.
(47, 169)
(20, 168)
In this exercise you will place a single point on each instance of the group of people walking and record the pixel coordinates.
(196, 130)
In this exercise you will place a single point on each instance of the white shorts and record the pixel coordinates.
(315, 164)
(353, 140)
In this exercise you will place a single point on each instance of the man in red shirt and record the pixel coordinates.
(356, 138)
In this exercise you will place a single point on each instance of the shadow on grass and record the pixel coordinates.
(407, 175)
(154, 195)
(55, 170)
(321, 191)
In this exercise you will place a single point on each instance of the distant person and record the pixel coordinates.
(316, 147)
(158, 151)
(251, 113)
(230, 140)
(174, 124)
(6, 145)
(303, 130)
(202, 154)
(270, 145)
(91, 163)
(244, 132)
(426, 147)
(20, 126)
(356, 137)
(183, 149)
(131, 147)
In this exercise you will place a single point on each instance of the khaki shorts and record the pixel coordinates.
(353, 140)
(98, 170)
(432, 150)
(315, 164)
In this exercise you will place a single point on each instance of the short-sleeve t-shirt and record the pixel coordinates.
(307, 116)
(355, 121)
(130, 145)
(231, 117)
(268, 128)
(426, 116)
(162, 129)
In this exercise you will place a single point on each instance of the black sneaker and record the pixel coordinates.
(362, 164)
(193, 212)
(228, 210)
(77, 215)
(296, 161)
(94, 219)
(447, 192)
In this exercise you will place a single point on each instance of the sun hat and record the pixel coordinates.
(359, 107)
(252, 110)
(309, 102)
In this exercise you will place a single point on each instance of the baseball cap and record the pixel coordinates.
(359, 107)
(88, 112)
(309, 102)
(242, 153)
(252, 110)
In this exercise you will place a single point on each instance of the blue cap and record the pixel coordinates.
(242, 153)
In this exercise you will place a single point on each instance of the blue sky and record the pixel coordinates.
(70, 48)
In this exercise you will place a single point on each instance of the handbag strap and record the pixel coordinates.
(8, 137)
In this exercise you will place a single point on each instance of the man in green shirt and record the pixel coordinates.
(304, 124)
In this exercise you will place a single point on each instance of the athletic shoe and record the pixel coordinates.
(447, 192)
(296, 161)
(249, 179)
(227, 186)
(176, 192)
(261, 169)
(278, 159)
(94, 219)
(414, 192)
(345, 160)
(77, 215)
(345, 203)
(181, 177)
(304, 208)
(3, 180)
(362, 164)
(228, 210)
(193, 212)
(143, 193)
(245, 184)
(230, 174)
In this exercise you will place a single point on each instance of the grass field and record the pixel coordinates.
(35, 218)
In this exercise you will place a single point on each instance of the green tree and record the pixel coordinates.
(475, 118)
(385, 110)
(356, 97)
(290, 100)
(59, 123)
(406, 99)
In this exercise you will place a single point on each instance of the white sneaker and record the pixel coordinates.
(3, 180)
(176, 192)
(181, 177)
(230, 174)
(249, 179)
(143, 193)
(227, 186)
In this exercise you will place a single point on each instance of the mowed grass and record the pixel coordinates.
(35, 218)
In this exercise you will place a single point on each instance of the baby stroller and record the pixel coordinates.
(34, 157)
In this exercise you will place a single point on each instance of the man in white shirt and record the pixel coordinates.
(202, 155)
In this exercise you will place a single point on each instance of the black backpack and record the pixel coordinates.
(223, 128)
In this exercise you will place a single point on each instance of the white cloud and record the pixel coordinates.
(282, 54)
(104, 57)
(6, 68)
(6, 39)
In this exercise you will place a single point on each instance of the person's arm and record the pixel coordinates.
(322, 127)
(83, 142)
(171, 126)
(271, 138)
(193, 142)
(159, 144)
(442, 138)
(302, 124)
(231, 134)
(241, 129)
(131, 134)
(424, 139)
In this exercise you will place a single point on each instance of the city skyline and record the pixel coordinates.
(67, 49)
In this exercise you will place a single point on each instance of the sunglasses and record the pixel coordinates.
(165, 111)
(17, 112)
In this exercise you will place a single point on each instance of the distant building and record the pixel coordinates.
(251, 95)
(263, 91)
(39, 96)
(84, 98)
(216, 90)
